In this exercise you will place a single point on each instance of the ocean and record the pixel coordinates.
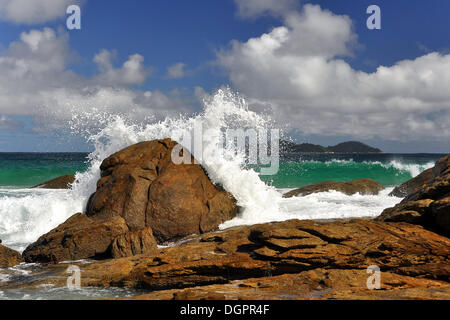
(26, 214)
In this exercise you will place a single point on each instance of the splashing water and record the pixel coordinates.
(223, 111)
(27, 214)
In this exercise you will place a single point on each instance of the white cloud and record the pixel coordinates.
(255, 8)
(132, 72)
(35, 80)
(7, 123)
(297, 70)
(176, 71)
(34, 11)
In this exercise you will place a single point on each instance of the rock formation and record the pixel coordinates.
(63, 182)
(142, 184)
(413, 184)
(9, 257)
(142, 198)
(427, 200)
(363, 186)
(284, 260)
(80, 237)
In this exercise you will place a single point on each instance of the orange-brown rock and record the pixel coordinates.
(80, 237)
(311, 285)
(143, 186)
(9, 257)
(134, 243)
(362, 186)
(285, 260)
(413, 184)
(63, 182)
(428, 204)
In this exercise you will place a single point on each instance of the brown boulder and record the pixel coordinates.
(362, 186)
(142, 185)
(134, 243)
(426, 204)
(9, 257)
(413, 184)
(80, 237)
(63, 182)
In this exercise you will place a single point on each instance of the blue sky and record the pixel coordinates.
(197, 36)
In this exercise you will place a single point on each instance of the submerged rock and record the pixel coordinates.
(141, 184)
(362, 186)
(63, 182)
(9, 257)
(427, 201)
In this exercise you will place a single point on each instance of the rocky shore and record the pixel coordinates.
(143, 201)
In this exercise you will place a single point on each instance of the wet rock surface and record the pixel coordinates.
(428, 203)
(143, 186)
(362, 186)
(9, 257)
(63, 182)
(286, 260)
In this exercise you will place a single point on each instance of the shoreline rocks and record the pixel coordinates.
(63, 182)
(80, 237)
(142, 185)
(9, 257)
(427, 201)
(413, 184)
(362, 186)
(142, 199)
(283, 260)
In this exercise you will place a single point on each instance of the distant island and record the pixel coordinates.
(344, 147)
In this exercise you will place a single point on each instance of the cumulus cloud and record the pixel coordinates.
(36, 11)
(132, 72)
(176, 71)
(298, 71)
(255, 8)
(36, 80)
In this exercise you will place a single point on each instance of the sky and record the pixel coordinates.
(313, 65)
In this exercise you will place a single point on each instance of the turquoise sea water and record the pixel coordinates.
(23, 170)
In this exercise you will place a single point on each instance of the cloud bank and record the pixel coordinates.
(36, 80)
(298, 70)
(34, 11)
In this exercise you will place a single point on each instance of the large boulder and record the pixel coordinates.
(80, 237)
(362, 186)
(142, 185)
(63, 182)
(428, 204)
(9, 257)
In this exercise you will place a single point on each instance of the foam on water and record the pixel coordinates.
(27, 214)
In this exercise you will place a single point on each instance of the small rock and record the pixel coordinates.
(9, 257)
(63, 182)
(362, 186)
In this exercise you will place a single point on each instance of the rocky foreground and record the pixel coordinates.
(143, 200)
